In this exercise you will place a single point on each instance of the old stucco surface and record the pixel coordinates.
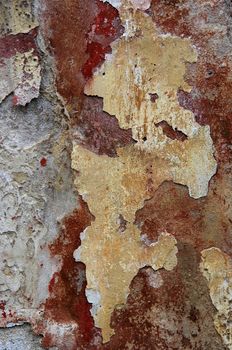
(115, 177)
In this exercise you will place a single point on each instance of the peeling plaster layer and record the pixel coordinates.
(19, 57)
(216, 266)
(112, 259)
(21, 75)
(155, 64)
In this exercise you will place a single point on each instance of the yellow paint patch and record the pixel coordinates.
(216, 266)
(114, 187)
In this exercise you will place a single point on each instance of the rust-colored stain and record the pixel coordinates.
(173, 134)
(98, 131)
(193, 222)
(209, 98)
(89, 28)
(67, 303)
(2, 308)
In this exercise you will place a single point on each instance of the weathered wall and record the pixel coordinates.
(115, 174)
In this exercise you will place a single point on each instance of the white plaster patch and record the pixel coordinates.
(154, 278)
(141, 4)
(114, 3)
(94, 298)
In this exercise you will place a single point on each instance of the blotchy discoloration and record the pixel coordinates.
(155, 64)
(158, 123)
(97, 25)
(194, 222)
(173, 313)
(126, 83)
(208, 24)
(216, 266)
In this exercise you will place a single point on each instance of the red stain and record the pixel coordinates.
(2, 307)
(66, 304)
(104, 30)
(15, 100)
(43, 162)
(11, 44)
(105, 20)
(52, 283)
(97, 54)
(90, 27)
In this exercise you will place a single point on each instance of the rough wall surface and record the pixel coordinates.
(115, 178)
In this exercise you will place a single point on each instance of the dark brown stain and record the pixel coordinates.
(154, 97)
(122, 223)
(173, 134)
(98, 131)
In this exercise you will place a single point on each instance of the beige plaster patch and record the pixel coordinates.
(143, 63)
(114, 187)
(216, 266)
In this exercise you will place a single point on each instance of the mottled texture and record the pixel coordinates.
(19, 338)
(216, 266)
(136, 239)
(155, 64)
